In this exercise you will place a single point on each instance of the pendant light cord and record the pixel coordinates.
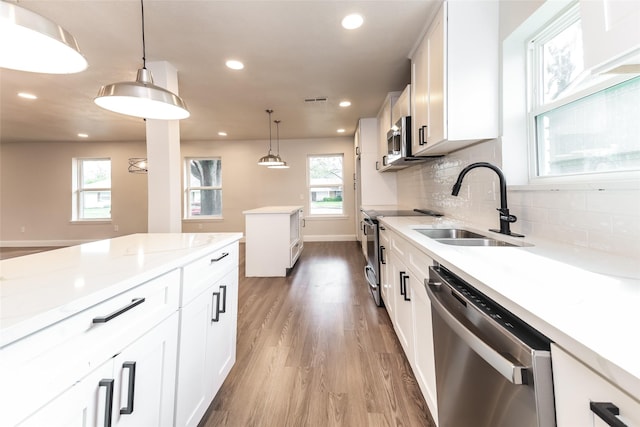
(144, 51)
(269, 111)
(277, 122)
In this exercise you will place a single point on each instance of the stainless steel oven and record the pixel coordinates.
(492, 369)
(372, 241)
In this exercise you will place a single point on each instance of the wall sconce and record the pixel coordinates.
(138, 165)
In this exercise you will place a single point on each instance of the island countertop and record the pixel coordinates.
(41, 289)
(273, 210)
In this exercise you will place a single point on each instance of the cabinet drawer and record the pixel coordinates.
(56, 357)
(200, 274)
(576, 386)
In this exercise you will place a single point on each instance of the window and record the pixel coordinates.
(325, 181)
(92, 189)
(203, 192)
(579, 123)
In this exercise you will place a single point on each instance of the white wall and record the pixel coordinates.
(35, 188)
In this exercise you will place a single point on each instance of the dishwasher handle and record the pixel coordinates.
(512, 372)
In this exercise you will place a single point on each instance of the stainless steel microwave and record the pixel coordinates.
(398, 142)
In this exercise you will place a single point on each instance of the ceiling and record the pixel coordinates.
(292, 50)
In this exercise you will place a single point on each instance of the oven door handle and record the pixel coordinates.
(370, 275)
(512, 372)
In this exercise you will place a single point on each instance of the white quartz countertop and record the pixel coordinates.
(273, 210)
(586, 302)
(40, 289)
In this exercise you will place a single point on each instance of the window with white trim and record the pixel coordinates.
(203, 187)
(325, 184)
(91, 189)
(578, 123)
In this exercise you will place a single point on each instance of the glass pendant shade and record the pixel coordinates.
(142, 99)
(31, 42)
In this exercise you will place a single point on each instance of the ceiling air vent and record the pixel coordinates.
(317, 99)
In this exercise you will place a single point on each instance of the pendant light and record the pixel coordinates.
(284, 164)
(270, 159)
(31, 42)
(142, 98)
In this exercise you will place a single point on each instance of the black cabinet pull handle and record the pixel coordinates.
(382, 260)
(384, 161)
(223, 289)
(406, 294)
(377, 165)
(215, 307)
(108, 400)
(607, 411)
(402, 284)
(224, 254)
(131, 366)
(424, 135)
(420, 136)
(105, 319)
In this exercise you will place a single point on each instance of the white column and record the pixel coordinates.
(163, 155)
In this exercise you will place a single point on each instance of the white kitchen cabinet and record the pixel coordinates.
(576, 388)
(409, 308)
(454, 99)
(134, 388)
(207, 347)
(610, 34)
(79, 344)
(402, 106)
(385, 285)
(384, 126)
(403, 309)
(274, 240)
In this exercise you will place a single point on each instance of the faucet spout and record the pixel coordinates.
(505, 218)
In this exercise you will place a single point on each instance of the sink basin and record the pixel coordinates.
(474, 242)
(449, 233)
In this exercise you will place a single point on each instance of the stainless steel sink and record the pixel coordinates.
(474, 242)
(449, 233)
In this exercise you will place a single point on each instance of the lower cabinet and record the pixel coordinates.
(134, 388)
(409, 308)
(207, 347)
(581, 394)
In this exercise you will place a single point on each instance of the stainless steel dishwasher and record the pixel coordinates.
(492, 369)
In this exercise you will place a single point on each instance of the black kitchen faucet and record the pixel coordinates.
(505, 217)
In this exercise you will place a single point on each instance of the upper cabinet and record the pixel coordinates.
(402, 107)
(611, 35)
(384, 125)
(454, 96)
(373, 188)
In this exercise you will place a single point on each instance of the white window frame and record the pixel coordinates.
(78, 190)
(310, 187)
(518, 128)
(188, 188)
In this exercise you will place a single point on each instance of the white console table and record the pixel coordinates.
(273, 240)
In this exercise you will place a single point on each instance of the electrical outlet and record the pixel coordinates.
(199, 226)
(23, 229)
(115, 227)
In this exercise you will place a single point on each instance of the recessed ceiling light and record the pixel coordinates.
(353, 21)
(222, 133)
(234, 65)
(345, 103)
(83, 135)
(27, 95)
(340, 130)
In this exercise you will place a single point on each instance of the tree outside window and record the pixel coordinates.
(203, 192)
(325, 178)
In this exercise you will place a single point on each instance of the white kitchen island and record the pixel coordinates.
(106, 332)
(273, 240)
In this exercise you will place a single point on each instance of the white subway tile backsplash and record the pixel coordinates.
(604, 220)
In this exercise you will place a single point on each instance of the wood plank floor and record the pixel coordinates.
(314, 350)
